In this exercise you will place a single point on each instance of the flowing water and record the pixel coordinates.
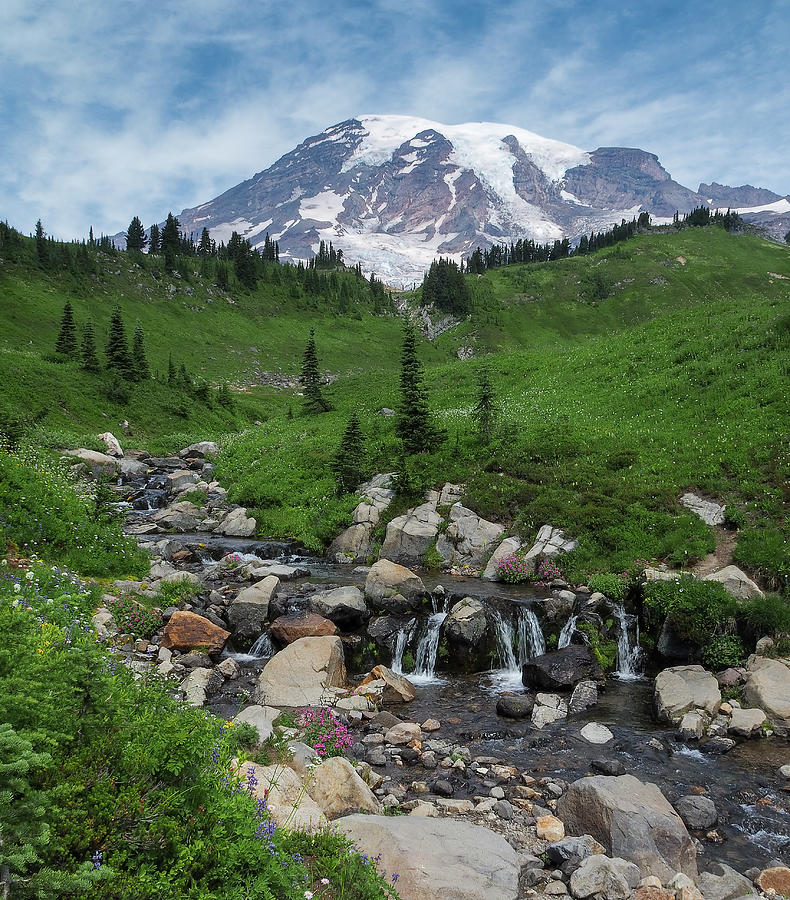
(425, 668)
(401, 642)
(628, 652)
(567, 633)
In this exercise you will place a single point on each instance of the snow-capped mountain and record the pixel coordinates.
(394, 192)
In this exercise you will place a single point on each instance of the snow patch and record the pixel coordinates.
(324, 207)
(777, 207)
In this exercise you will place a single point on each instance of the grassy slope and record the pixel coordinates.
(624, 378)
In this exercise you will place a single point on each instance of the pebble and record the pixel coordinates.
(497, 793)
(550, 828)
(555, 889)
(504, 810)
(430, 725)
(443, 788)
(784, 771)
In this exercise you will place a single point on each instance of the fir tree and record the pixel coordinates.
(314, 401)
(118, 358)
(42, 248)
(348, 465)
(139, 359)
(155, 240)
(90, 361)
(485, 409)
(414, 426)
(170, 240)
(66, 343)
(135, 235)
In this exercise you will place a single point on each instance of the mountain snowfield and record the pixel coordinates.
(394, 192)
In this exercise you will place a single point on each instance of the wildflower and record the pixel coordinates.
(96, 859)
(30, 574)
(324, 881)
(308, 895)
(395, 877)
(17, 588)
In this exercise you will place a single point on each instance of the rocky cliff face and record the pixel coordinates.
(394, 192)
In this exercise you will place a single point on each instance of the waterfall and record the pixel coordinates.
(530, 636)
(627, 654)
(567, 633)
(401, 640)
(429, 643)
(261, 649)
(504, 643)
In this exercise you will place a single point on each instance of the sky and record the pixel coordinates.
(110, 110)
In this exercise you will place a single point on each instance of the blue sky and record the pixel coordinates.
(109, 110)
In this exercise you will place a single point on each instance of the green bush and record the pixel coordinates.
(605, 651)
(768, 615)
(698, 610)
(612, 585)
(723, 651)
(764, 550)
(133, 618)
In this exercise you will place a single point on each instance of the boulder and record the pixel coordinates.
(723, 883)
(397, 689)
(261, 718)
(768, 687)
(437, 858)
(506, 548)
(403, 733)
(373, 503)
(201, 684)
(607, 879)
(550, 542)
(189, 631)
(736, 583)
(468, 539)
(200, 450)
(711, 513)
(746, 722)
(515, 706)
(697, 811)
(111, 443)
(573, 849)
(561, 670)
(550, 828)
(339, 790)
(181, 516)
(288, 629)
(631, 819)
(776, 878)
(249, 610)
(345, 606)
(410, 536)
(352, 545)
(304, 673)
(393, 588)
(285, 796)
(98, 463)
(181, 480)
(237, 524)
(584, 696)
(680, 689)
(466, 623)
(596, 733)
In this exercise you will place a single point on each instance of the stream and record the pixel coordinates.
(754, 810)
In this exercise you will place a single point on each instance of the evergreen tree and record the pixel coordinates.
(485, 409)
(90, 361)
(135, 235)
(414, 426)
(205, 247)
(139, 359)
(42, 248)
(349, 462)
(155, 240)
(118, 358)
(170, 240)
(225, 398)
(66, 343)
(314, 400)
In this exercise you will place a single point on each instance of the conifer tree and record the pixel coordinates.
(415, 429)
(42, 249)
(135, 235)
(66, 343)
(170, 240)
(314, 400)
(90, 361)
(348, 465)
(139, 359)
(118, 358)
(485, 409)
(154, 241)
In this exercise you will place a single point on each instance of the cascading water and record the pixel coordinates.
(504, 643)
(428, 645)
(628, 654)
(401, 642)
(567, 632)
(531, 642)
(261, 649)
(517, 643)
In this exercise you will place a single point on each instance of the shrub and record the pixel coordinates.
(548, 570)
(605, 651)
(765, 550)
(766, 615)
(734, 518)
(322, 730)
(612, 585)
(514, 569)
(724, 651)
(133, 618)
(698, 610)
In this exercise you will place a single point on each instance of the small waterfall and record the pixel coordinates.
(401, 641)
(567, 632)
(628, 654)
(261, 649)
(531, 642)
(504, 643)
(429, 643)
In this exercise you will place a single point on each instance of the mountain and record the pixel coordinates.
(394, 192)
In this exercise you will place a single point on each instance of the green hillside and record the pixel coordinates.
(623, 378)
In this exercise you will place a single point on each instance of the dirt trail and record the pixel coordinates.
(722, 556)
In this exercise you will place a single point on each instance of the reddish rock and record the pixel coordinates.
(301, 625)
(777, 878)
(187, 631)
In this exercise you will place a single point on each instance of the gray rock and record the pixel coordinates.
(466, 623)
(631, 819)
(596, 733)
(468, 539)
(607, 879)
(181, 516)
(507, 547)
(746, 722)
(680, 689)
(249, 611)
(438, 857)
(561, 670)
(410, 536)
(181, 480)
(768, 687)
(237, 524)
(549, 543)
(98, 463)
(201, 684)
(573, 849)
(261, 718)
(304, 673)
(515, 706)
(584, 695)
(343, 605)
(393, 588)
(711, 513)
(504, 809)
(724, 883)
(353, 544)
(736, 583)
(696, 811)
